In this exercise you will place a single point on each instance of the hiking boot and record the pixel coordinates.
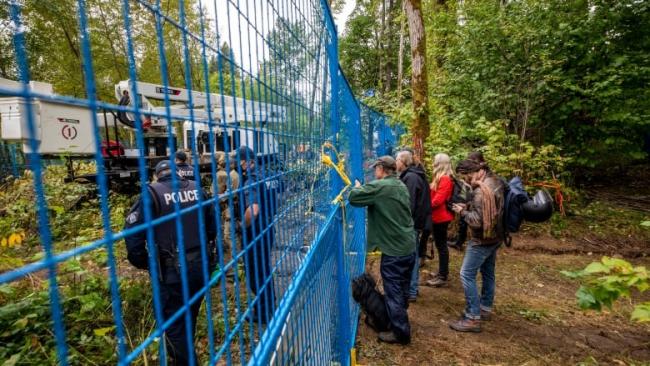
(390, 337)
(486, 315)
(455, 245)
(466, 325)
(437, 281)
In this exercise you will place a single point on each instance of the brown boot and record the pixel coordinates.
(466, 325)
(486, 315)
(437, 281)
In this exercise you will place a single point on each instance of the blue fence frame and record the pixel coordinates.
(284, 62)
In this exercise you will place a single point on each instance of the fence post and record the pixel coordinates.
(342, 277)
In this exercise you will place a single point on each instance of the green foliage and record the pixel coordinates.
(533, 315)
(369, 48)
(26, 325)
(608, 280)
(54, 47)
(564, 80)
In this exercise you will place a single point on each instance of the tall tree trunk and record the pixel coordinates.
(388, 47)
(380, 46)
(419, 84)
(400, 57)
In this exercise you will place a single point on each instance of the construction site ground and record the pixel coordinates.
(536, 319)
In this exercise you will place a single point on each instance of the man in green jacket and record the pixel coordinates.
(390, 229)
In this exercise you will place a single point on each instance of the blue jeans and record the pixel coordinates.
(483, 258)
(415, 275)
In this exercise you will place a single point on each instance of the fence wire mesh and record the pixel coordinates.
(261, 259)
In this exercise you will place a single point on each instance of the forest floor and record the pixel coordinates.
(536, 318)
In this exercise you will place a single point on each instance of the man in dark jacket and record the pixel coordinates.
(462, 225)
(168, 252)
(390, 228)
(184, 169)
(259, 199)
(484, 216)
(415, 179)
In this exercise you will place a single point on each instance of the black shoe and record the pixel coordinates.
(390, 337)
(413, 298)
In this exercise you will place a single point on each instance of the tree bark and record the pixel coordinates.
(400, 57)
(419, 84)
(388, 46)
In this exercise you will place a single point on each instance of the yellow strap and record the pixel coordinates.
(339, 168)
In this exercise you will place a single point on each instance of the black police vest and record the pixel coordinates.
(185, 171)
(165, 234)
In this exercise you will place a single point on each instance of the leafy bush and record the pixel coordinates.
(506, 153)
(608, 280)
(26, 330)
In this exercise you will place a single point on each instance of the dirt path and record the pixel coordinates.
(536, 320)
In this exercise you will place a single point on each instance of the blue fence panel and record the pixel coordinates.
(253, 264)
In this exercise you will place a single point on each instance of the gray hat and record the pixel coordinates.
(386, 162)
(181, 155)
(245, 153)
(162, 165)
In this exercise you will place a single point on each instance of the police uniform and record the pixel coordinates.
(185, 170)
(163, 199)
(258, 257)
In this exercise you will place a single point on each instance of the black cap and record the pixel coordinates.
(245, 153)
(163, 165)
(180, 155)
(385, 161)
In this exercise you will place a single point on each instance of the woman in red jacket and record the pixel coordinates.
(441, 190)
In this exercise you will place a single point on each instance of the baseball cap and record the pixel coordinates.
(245, 153)
(163, 165)
(180, 155)
(385, 161)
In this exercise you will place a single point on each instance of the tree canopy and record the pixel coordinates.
(548, 85)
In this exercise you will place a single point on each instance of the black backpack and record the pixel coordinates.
(460, 193)
(372, 302)
(519, 206)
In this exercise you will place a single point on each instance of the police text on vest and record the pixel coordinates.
(184, 196)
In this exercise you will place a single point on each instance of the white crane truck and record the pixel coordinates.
(64, 128)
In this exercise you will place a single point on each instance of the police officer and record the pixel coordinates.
(259, 199)
(163, 198)
(184, 169)
(222, 175)
(222, 185)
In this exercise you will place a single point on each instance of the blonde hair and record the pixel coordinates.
(441, 167)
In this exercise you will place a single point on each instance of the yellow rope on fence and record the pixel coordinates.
(338, 167)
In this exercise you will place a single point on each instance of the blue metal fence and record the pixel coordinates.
(279, 90)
